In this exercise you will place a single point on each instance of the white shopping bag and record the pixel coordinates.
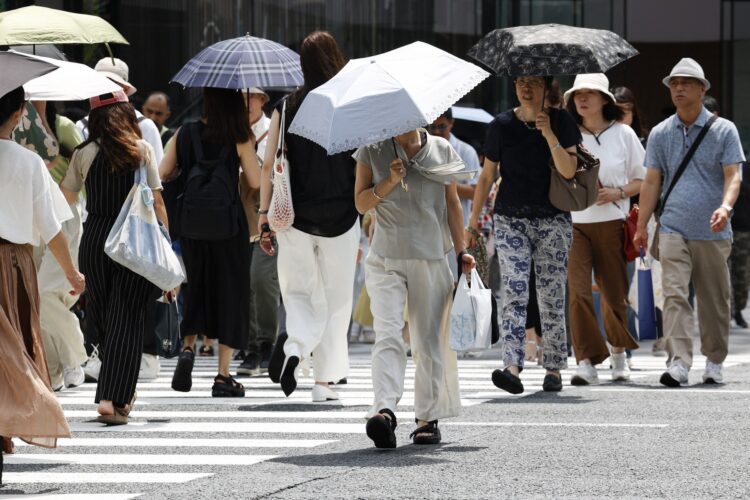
(471, 316)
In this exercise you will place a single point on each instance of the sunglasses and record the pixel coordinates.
(530, 82)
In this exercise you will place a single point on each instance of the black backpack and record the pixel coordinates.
(209, 205)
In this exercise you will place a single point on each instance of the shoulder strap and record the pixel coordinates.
(195, 138)
(685, 161)
(282, 131)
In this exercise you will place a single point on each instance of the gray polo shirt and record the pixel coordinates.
(411, 224)
(699, 191)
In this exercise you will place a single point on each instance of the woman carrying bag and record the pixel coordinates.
(317, 255)
(522, 145)
(598, 237)
(106, 164)
(416, 227)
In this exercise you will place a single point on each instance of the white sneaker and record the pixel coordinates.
(322, 393)
(92, 366)
(149, 367)
(620, 368)
(712, 374)
(676, 374)
(586, 374)
(74, 376)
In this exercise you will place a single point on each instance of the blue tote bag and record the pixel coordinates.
(646, 307)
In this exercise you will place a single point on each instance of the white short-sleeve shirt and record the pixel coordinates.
(32, 207)
(621, 155)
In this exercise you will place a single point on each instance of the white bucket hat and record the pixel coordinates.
(117, 72)
(591, 81)
(689, 68)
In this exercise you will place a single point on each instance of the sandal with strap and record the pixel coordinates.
(427, 434)
(121, 414)
(227, 387)
(206, 350)
(380, 428)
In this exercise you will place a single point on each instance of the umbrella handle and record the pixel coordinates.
(109, 49)
(404, 186)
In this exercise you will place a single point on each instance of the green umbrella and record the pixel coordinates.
(35, 25)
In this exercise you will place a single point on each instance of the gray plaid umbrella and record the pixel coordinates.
(550, 49)
(242, 63)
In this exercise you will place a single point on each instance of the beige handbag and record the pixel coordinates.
(580, 192)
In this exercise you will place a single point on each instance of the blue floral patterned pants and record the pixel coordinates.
(546, 242)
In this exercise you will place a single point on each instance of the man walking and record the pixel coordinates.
(157, 109)
(695, 235)
(264, 280)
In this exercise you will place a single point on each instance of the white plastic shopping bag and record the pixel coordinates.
(471, 316)
(140, 243)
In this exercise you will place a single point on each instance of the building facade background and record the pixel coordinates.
(164, 34)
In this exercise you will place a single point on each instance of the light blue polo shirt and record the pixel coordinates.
(700, 189)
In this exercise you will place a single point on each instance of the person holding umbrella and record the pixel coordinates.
(415, 229)
(521, 146)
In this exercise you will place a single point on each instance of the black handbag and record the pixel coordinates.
(167, 329)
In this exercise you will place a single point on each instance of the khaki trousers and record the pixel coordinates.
(61, 333)
(705, 263)
(427, 284)
(599, 247)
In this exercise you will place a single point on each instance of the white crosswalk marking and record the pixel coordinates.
(193, 429)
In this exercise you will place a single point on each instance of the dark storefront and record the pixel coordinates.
(165, 33)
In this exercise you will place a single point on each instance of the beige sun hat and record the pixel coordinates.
(116, 70)
(256, 90)
(590, 81)
(689, 68)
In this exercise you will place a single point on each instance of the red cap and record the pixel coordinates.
(103, 100)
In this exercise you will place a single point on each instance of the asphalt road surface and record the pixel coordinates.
(614, 440)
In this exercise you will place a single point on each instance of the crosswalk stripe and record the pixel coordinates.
(240, 415)
(141, 459)
(228, 427)
(177, 442)
(84, 496)
(100, 477)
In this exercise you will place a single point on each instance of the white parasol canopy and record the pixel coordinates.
(375, 98)
(70, 82)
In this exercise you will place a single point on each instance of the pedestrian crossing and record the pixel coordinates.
(170, 434)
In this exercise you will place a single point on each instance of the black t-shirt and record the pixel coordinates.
(524, 157)
(322, 185)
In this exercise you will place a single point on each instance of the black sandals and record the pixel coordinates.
(276, 363)
(506, 381)
(227, 387)
(182, 380)
(381, 427)
(426, 434)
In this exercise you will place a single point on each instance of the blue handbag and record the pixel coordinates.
(646, 307)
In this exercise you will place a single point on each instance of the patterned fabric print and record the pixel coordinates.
(550, 49)
(546, 240)
(32, 134)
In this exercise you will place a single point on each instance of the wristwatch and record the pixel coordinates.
(729, 209)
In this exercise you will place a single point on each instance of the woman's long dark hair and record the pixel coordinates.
(226, 115)
(610, 111)
(320, 59)
(624, 95)
(10, 103)
(115, 129)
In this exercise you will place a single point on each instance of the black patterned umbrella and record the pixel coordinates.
(550, 49)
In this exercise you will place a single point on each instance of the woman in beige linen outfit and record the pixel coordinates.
(31, 212)
(417, 217)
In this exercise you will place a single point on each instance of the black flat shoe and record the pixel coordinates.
(182, 380)
(381, 427)
(505, 380)
(288, 377)
(276, 363)
(740, 320)
(552, 383)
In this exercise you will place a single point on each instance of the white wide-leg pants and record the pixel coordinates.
(427, 284)
(316, 278)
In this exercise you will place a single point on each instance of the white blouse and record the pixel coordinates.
(32, 207)
(621, 155)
